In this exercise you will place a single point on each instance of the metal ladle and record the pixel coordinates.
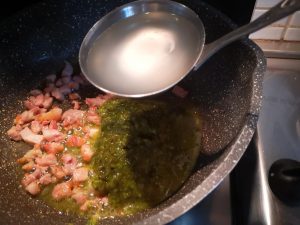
(147, 46)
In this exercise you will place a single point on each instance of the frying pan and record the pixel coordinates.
(34, 43)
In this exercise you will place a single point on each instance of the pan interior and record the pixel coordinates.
(34, 44)
(146, 52)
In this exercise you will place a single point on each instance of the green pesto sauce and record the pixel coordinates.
(66, 205)
(145, 151)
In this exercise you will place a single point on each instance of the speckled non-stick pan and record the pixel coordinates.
(227, 88)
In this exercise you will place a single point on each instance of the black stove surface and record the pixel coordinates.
(239, 11)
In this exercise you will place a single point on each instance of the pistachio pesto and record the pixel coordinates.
(144, 152)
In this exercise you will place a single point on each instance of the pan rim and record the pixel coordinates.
(246, 131)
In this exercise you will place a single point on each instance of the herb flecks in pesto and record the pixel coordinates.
(145, 151)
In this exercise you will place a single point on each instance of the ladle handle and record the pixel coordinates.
(277, 12)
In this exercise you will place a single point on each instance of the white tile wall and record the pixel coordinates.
(268, 33)
(266, 3)
(292, 34)
(295, 21)
(287, 29)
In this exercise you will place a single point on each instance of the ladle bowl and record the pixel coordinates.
(145, 47)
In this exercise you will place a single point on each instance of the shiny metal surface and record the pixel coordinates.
(277, 137)
(142, 48)
(231, 112)
(146, 47)
(215, 209)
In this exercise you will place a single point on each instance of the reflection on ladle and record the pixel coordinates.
(156, 45)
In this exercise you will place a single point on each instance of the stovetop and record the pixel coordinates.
(245, 198)
(213, 210)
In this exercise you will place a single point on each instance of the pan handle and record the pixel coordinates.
(279, 11)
